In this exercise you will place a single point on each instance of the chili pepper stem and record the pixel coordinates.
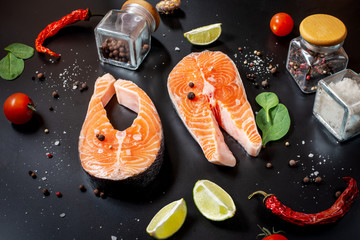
(266, 195)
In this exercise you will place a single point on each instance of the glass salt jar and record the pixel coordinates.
(337, 104)
(317, 52)
(123, 37)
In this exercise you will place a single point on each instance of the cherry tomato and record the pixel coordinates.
(281, 24)
(18, 108)
(275, 237)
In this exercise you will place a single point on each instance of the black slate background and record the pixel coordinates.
(26, 214)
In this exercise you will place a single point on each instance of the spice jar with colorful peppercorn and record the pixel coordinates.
(337, 104)
(318, 52)
(123, 37)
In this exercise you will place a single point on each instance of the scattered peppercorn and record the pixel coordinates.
(100, 137)
(256, 85)
(318, 180)
(59, 194)
(265, 83)
(46, 130)
(55, 94)
(258, 53)
(273, 70)
(51, 108)
(191, 84)
(292, 163)
(32, 174)
(96, 192)
(49, 155)
(337, 194)
(102, 194)
(269, 165)
(240, 48)
(40, 76)
(82, 188)
(287, 144)
(83, 87)
(306, 179)
(32, 78)
(45, 192)
(251, 64)
(191, 95)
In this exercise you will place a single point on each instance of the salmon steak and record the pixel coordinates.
(207, 92)
(107, 153)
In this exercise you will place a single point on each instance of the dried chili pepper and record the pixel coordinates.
(335, 212)
(53, 28)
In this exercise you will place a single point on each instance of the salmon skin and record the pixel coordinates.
(220, 100)
(121, 155)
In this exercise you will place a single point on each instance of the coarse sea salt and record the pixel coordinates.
(339, 110)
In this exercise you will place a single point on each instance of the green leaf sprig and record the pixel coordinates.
(12, 65)
(273, 119)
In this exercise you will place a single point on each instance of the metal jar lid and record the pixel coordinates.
(323, 30)
(150, 8)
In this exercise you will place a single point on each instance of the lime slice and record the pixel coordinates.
(204, 35)
(168, 220)
(212, 201)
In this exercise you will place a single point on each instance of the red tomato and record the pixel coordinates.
(281, 24)
(275, 237)
(18, 108)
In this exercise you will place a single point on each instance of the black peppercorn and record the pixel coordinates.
(191, 84)
(100, 137)
(191, 95)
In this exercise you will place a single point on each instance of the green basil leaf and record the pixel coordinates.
(11, 67)
(278, 125)
(267, 100)
(20, 50)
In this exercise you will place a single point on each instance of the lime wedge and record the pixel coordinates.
(212, 201)
(168, 220)
(204, 35)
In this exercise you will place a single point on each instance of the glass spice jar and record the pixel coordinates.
(123, 37)
(317, 52)
(337, 104)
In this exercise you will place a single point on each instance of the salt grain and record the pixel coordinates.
(62, 215)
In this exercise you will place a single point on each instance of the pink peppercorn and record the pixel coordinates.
(49, 155)
(59, 194)
(308, 77)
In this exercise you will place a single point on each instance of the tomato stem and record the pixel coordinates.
(29, 105)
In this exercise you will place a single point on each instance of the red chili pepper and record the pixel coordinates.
(54, 27)
(335, 212)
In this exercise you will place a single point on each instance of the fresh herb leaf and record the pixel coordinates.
(267, 100)
(11, 67)
(278, 125)
(20, 50)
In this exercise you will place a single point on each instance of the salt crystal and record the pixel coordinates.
(57, 143)
(177, 49)
(303, 142)
(62, 215)
(113, 238)
(311, 155)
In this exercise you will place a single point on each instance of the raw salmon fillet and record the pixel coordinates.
(122, 154)
(220, 99)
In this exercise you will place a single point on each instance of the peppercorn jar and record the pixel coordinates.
(123, 37)
(337, 104)
(317, 52)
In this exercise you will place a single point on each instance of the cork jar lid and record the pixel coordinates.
(148, 7)
(323, 30)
